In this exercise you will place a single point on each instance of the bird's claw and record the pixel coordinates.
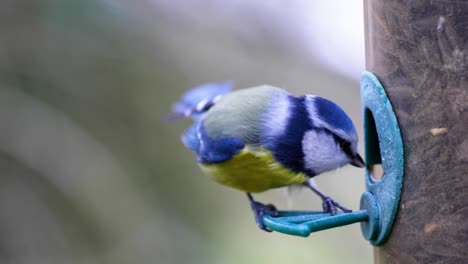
(259, 210)
(330, 206)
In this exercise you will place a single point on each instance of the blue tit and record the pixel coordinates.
(260, 138)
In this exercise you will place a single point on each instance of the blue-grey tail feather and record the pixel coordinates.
(207, 92)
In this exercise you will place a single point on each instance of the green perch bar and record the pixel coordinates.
(302, 223)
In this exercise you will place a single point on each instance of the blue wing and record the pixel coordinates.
(210, 150)
(190, 138)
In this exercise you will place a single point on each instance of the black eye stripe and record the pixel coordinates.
(344, 145)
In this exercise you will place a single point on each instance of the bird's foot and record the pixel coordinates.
(259, 210)
(331, 206)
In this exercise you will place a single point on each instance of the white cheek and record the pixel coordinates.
(321, 152)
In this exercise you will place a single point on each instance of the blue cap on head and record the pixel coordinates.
(326, 114)
(333, 115)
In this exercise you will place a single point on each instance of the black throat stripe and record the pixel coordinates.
(287, 149)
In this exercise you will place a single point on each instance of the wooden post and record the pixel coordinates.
(418, 49)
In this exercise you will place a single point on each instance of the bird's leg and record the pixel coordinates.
(329, 205)
(260, 209)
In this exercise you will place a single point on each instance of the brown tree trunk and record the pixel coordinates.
(418, 50)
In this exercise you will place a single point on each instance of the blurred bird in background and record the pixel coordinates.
(261, 138)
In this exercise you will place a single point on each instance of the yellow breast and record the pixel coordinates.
(253, 171)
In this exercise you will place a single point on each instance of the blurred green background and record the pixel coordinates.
(89, 170)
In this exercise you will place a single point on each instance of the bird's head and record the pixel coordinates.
(332, 141)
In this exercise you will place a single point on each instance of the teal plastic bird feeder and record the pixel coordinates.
(379, 204)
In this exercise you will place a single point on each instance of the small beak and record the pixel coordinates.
(358, 162)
